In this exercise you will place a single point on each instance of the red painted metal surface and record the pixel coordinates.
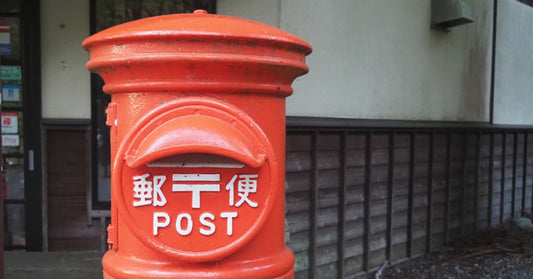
(197, 123)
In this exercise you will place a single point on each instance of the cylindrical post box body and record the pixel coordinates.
(197, 123)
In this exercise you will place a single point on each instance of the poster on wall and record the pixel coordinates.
(5, 39)
(10, 92)
(10, 72)
(10, 140)
(10, 122)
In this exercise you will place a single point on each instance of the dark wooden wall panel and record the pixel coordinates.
(354, 198)
(426, 188)
(67, 182)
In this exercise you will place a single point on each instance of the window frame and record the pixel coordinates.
(96, 204)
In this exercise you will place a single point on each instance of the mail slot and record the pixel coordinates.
(197, 124)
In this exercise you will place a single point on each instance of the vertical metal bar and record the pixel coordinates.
(477, 180)
(410, 198)
(513, 200)
(447, 189)
(368, 175)
(527, 163)
(493, 60)
(524, 176)
(429, 207)
(491, 178)
(31, 160)
(342, 206)
(390, 195)
(502, 181)
(314, 204)
(3, 223)
(465, 183)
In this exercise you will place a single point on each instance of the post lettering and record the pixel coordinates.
(207, 223)
(158, 224)
(187, 185)
(179, 228)
(229, 216)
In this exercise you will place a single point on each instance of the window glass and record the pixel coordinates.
(109, 13)
(14, 28)
(14, 218)
(113, 12)
(9, 6)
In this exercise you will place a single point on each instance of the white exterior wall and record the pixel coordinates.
(513, 85)
(379, 59)
(264, 11)
(65, 80)
(372, 59)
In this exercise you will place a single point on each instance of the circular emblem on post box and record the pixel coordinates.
(195, 179)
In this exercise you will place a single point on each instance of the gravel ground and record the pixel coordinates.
(505, 252)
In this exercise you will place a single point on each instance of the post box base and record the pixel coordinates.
(288, 275)
(279, 266)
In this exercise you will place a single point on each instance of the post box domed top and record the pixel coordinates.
(200, 25)
(208, 52)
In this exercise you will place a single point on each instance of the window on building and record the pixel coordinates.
(104, 14)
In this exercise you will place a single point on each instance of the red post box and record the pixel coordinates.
(197, 122)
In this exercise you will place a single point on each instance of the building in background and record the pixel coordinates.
(401, 138)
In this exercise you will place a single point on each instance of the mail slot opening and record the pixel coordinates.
(196, 160)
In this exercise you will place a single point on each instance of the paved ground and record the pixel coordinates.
(57, 265)
(499, 253)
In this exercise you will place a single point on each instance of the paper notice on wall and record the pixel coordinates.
(10, 123)
(10, 92)
(10, 72)
(5, 39)
(10, 140)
